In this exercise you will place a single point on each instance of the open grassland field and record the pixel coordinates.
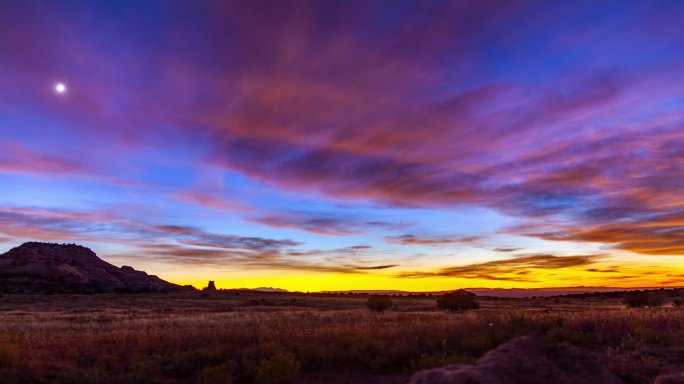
(243, 336)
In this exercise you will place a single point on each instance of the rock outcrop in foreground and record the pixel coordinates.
(68, 268)
(527, 359)
(670, 378)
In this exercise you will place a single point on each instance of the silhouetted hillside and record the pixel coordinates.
(36, 267)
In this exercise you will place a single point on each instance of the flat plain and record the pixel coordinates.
(247, 336)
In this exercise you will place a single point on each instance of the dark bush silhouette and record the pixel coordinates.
(678, 302)
(379, 303)
(460, 300)
(262, 302)
(641, 299)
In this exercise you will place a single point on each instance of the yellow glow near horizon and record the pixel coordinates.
(619, 271)
(644, 277)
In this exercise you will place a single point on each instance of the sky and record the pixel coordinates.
(333, 145)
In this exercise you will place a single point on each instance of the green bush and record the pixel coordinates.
(379, 303)
(460, 300)
(642, 299)
(281, 368)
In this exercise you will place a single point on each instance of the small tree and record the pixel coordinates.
(642, 299)
(379, 303)
(460, 300)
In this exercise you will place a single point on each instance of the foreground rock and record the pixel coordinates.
(527, 359)
(671, 378)
(68, 268)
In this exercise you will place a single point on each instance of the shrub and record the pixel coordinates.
(642, 299)
(281, 368)
(188, 363)
(261, 302)
(379, 303)
(10, 354)
(678, 302)
(460, 300)
(219, 374)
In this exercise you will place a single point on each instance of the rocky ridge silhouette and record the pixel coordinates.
(36, 267)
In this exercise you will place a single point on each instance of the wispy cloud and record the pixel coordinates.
(207, 200)
(506, 250)
(647, 233)
(414, 240)
(320, 223)
(198, 237)
(44, 224)
(257, 258)
(323, 223)
(184, 245)
(514, 269)
(19, 159)
(57, 225)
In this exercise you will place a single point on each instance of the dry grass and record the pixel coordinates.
(230, 338)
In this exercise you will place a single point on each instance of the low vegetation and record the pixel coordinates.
(379, 303)
(231, 338)
(642, 299)
(281, 368)
(10, 355)
(460, 300)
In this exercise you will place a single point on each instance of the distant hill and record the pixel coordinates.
(36, 267)
(509, 293)
(269, 289)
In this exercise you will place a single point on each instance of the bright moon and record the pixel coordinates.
(60, 88)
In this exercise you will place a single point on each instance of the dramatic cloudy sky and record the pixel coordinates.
(350, 144)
